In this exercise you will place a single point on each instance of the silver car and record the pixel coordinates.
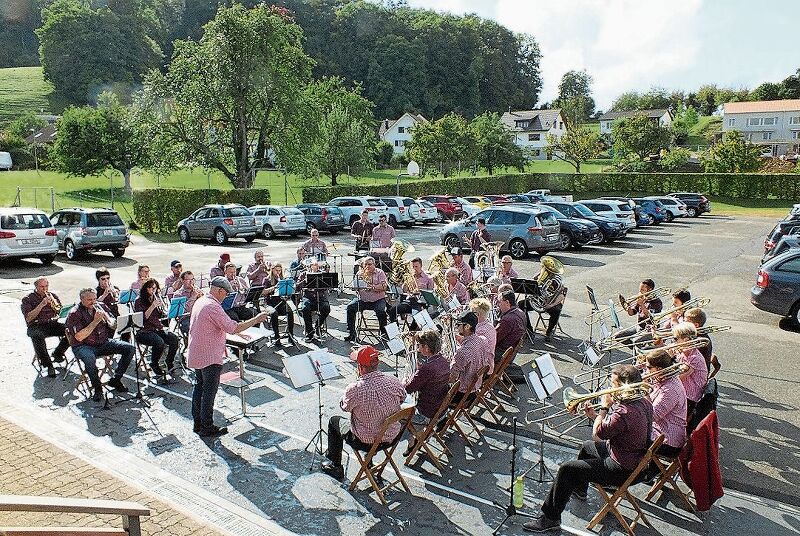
(219, 223)
(90, 229)
(273, 220)
(777, 288)
(27, 232)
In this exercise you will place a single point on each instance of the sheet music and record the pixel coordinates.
(613, 311)
(591, 355)
(604, 329)
(396, 346)
(552, 383)
(536, 385)
(453, 303)
(359, 283)
(545, 364)
(424, 320)
(256, 334)
(393, 330)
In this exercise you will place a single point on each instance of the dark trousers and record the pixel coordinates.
(205, 392)
(403, 308)
(281, 309)
(668, 451)
(39, 333)
(594, 464)
(339, 433)
(159, 341)
(357, 305)
(183, 324)
(307, 308)
(240, 312)
(89, 354)
(554, 313)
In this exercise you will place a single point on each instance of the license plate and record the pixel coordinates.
(106, 232)
(552, 238)
(26, 241)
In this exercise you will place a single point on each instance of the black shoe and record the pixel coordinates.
(117, 385)
(309, 337)
(51, 372)
(542, 524)
(97, 394)
(214, 431)
(196, 428)
(277, 343)
(350, 338)
(333, 470)
(580, 495)
(156, 370)
(162, 380)
(292, 340)
(409, 448)
(58, 358)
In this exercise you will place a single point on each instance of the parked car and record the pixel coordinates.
(696, 204)
(274, 220)
(5, 161)
(90, 229)
(784, 244)
(469, 209)
(637, 210)
(353, 206)
(403, 210)
(519, 198)
(495, 199)
(428, 213)
(479, 200)
(777, 288)
(612, 209)
(675, 207)
(447, 206)
(522, 229)
(27, 232)
(544, 192)
(219, 223)
(781, 229)
(322, 217)
(611, 228)
(576, 232)
(653, 211)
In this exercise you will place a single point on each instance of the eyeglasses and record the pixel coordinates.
(506, 262)
(106, 277)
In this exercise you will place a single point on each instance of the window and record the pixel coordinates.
(274, 212)
(766, 135)
(237, 211)
(796, 134)
(792, 265)
(502, 217)
(397, 143)
(401, 130)
(794, 120)
(537, 152)
(754, 121)
(770, 121)
(534, 137)
(749, 136)
(731, 122)
(522, 123)
(796, 149)
(561, 124)
(408, 202)
(608, 125)
(519, 218)
(25, 221)
(375, 202)
(548, 218)
(389, 202)
(104, 219)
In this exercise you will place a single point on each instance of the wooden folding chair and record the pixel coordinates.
(490, 401)
(505, 383)
(141, 361)
(84, 384)
(620, 493)
(460, 409)
(373, 472)
(421, 437)
(669, 471)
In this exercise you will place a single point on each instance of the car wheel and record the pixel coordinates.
(670, 217)
(183, 234)
(452, 241)
(70, 250)
(309, 227)
(392, 220)
(650, 219)
(565, 241)
(691, 212)
(118, 252)
(47, 260)
(249, 239)
(220, 237)
(440, 217)
(518, 249)
(268, 232)
(795, 315)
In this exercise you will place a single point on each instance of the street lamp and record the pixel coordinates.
(35, 148)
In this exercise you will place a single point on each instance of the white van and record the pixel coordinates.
(5, 161)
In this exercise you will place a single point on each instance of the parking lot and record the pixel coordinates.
(713, 256)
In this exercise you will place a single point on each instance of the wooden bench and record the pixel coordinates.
(130, 512)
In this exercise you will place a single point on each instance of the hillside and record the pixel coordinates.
(705, 127)
(23, 89)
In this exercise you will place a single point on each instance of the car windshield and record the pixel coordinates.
(548, 218)
(665, 201)
(25, 221)
(237, 211)
(583, 210)
(104, 219)
(375, 203)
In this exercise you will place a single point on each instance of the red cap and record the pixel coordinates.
(225, 257)
(366, 355)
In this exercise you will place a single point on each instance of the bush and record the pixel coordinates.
(383, 154)
(398, 161)
(158, 210)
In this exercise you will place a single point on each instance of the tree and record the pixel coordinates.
(575, 96)
(766, 91)
(91, 141)
(674, 159)
(576, 146)
(439, 146)
(494, 144)
(790, 87)
(639, 136)
(234, 96)
(732, 155)
(22, 126)
(684, 120)
(383, 154)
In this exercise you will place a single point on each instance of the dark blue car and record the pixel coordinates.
(653, 212)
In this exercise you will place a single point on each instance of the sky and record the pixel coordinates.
(638, 44)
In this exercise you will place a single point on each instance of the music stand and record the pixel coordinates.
(431, 300)
(128, 296)
(595, 309)
(321, 281)
(177, 307)
(510, 509)
(240, 380)
(311, 368)
(254, 294)
(129, 323)
(543, 381)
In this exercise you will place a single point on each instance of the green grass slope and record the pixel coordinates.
(23, 89)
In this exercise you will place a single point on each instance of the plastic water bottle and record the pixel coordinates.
(519, 492)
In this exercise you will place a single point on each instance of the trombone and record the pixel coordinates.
(601, 313)
(690, 304)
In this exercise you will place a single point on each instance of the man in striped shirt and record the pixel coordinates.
(669, 405)
(695, 378)
(469, 357)
(464, 271)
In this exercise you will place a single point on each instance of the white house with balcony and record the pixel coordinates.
(773, 124)
(398, 132)
(531, 127)
(662, 116)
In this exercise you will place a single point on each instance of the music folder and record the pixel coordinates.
(128, 321)
(128, 296)
(430, 297)
(286, 287)
(177, 306)
(64, 312)
(227, 303)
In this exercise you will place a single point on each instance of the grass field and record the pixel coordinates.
(22, 89)
(698, 134)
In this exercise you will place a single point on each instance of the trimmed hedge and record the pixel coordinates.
(160, 209)
(739, 185)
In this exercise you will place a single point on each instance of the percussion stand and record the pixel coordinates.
(510, 509)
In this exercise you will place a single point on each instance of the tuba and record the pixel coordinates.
(439, 284)
(550, 283)
(439, 262)
(489, 257)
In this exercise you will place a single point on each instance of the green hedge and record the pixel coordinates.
(160, 209)
(743, 186)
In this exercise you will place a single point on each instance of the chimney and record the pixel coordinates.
(386, 124)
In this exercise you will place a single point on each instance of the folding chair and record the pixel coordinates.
(460, 409)
(141, 361)
(422, 437)
(368, 328)
(486, 398)
(373, 472)
(621, 493)
(668, 468)
(504, 382)
(84, 384)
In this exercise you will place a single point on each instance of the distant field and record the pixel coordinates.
(22, 89)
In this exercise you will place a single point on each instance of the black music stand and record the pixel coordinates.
(543, 392)
(528, 288)
(321, 281)
(131, 328)
(254, 294)
(510, 509)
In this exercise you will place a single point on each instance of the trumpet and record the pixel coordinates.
(54, 303)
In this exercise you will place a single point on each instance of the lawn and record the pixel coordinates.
(698, 135)
(768, 208)
(22, 89)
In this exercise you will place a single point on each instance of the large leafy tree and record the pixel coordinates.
(733, 154)
(494, 144)
(575, 96)
(395, 75)
(638, 137)
(231, 98)
(575, 146)
(440, 146)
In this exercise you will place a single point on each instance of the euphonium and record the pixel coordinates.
(440, 284)
(439, 262)
(549, 281)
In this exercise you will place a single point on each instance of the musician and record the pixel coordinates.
(643, 308)
(189, 291)
(41, 309)
(506, 270)
(469, 357)
(697, 317)
(669, 405)
(511, 326)
(485, 330)
(695, 379)
(455, 287)
(464, 271)
(361, 230)
(313, 300)
(108, 295)
(373, 297)
(382, 236)
(258, 270)
(478, 238)
(218, 270)
(152, 332)
(142, 274)
(239, 310)
(411, 301)
(621, 437)
(678, 299)
(173, 280)
(91, 331)
(312, 246)
(279, 304)
(370, 400)
(207, 335)
(431, 379)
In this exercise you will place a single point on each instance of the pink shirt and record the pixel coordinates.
(257, 273)
(208, 327)
(669, 411)
(384, 235)
(190, 296)
(465, 272)
(506, 277)
(460, 292)
(370, 400)
(695, 382)
(424, 281)
(169, 282)
(136, 285)
(369, 296)
(485, 330)
(468, 359)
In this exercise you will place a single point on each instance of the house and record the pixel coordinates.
(398, 132)
(773, 124)
(663, 116)
(44, 136)
(531, 127)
